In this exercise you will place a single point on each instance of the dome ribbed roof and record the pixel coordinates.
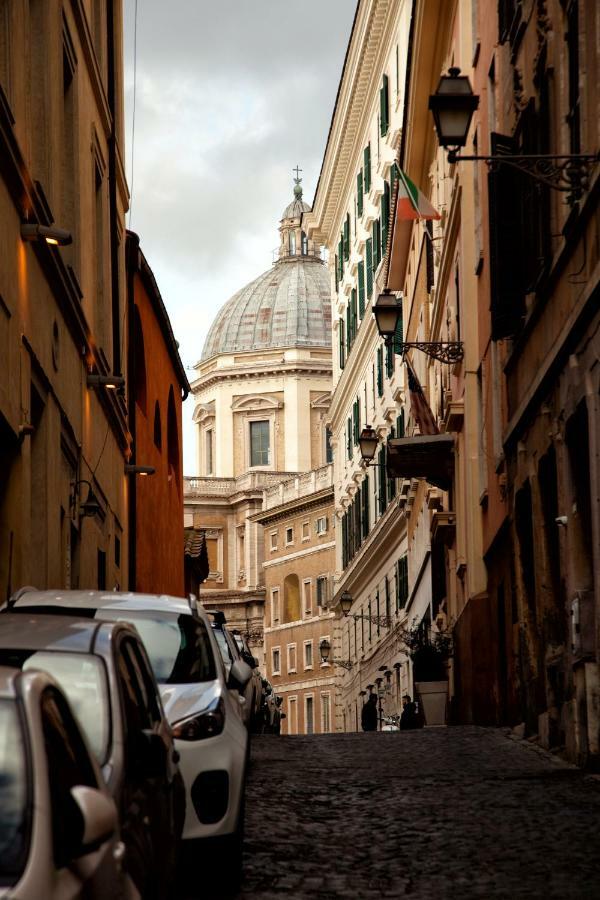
(287, 306)
(295, 209)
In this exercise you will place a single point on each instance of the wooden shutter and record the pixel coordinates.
(337, 273)
(380, 371)
(429, 255)
(376, 243)
(365, 505)
(359, 193)
(389, 360)
(384, 107)
(400, 424)
(385, 216)
(354, 313)
(346, 237)
(349, 438)
(341, 258)
(369, 265)
(349, 335)
(342, 343)
(399, 334)
(367, 168)
(506, 242)
(361, 289)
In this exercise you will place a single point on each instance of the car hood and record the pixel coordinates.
(183, 700)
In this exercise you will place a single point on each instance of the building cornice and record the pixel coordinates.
(357, 94)
(270, 369)
(312, 501)
(308, 551)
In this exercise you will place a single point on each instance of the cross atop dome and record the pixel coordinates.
(297, 184)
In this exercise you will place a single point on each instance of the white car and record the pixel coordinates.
(201, 702)
(58, 823)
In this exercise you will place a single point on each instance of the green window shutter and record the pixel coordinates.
(384, 107)
(384, 479)
(389, 360)
(349, 438)
(380, 372)
(400, 425)
(344, 543)
(337, 273)
(376, 243)
(348, 330)
(359, 193)
(354, 313)
(354, 424)
(341, 258)
(385, 216)
(361, 289)
(342, 344)
(398, 335)
(369, 255)
(365, 506)
(367, 168)
(346, 237)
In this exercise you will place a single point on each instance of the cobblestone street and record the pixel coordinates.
(457, 812)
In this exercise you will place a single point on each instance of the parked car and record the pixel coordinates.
(230, 654)
(200, 700)
(58, 823)
(271, 715)
(247, 656)
(104, 672)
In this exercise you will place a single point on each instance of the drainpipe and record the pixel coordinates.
(131, 268)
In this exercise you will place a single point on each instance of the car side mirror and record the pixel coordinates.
(99, 815)
(153, 754)
(239, 676)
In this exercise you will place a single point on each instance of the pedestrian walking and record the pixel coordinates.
(409, 717)
(368, 718)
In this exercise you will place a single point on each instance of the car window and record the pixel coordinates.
(82, 677)
(145, 681)
(135, 706)
(14, 799)
(68, 766)
(178, 646)
(224, 647)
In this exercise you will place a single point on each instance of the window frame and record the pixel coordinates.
(308, 666)
(292, 647)
(254, 420)
(275, 650)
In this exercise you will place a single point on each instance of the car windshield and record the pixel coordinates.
(178, 645)
(82, 678)
(14, 808)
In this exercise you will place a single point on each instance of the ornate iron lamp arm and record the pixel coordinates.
(444, 351)
(381, 621)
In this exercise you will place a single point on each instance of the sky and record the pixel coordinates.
(230, 95)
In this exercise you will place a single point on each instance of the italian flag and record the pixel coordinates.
(412, 203)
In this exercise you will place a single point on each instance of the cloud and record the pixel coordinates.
(231, 95)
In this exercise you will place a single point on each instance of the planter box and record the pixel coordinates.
(433, 697)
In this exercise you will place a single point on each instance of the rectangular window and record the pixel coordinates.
(275, 606)
(308, 654)
(307, 598)
(209, 451)
(359, 193)
(292, 724)
(321, 525)
(367, 168)
(349, 438)
(306, 531)
(340, 258)
(322, 596)
(384, 107)
(325, 637)
(380, 371)
(369, 266)
(361, 289)
(328, 447)
(259, 444)
(289, 535)
(376, 231)
(276, 660)
(309, 713)
(400, 424)
(401, 582)
(274, 537)
(353, 313)
(347, 237)
(325, 713)
(389, 360)
(291, 658)
(342, 343)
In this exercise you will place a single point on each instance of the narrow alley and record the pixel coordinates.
(438, 813)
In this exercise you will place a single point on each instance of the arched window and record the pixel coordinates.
(173, 437)
(292, 243)
(157, 426)
(139, 361)
(291, 599)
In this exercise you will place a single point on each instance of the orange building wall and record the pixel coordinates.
(159, 500)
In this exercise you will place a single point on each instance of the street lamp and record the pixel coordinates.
(131, 469)
(452, 107)
(325, 650)
(112, 382)
(367, 442)
(89, 507)
(346, 602)
(387, 311)
(57, 237)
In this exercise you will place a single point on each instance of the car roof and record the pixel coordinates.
(8, 677)
(91, 600)
(36, 632)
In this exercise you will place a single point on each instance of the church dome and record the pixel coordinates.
(287, 306)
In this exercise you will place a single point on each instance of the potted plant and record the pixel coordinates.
(429, 652)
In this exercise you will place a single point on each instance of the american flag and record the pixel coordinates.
(419, 406)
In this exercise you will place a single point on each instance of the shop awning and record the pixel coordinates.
(409, 205)
(429, 456)
(195, 554)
